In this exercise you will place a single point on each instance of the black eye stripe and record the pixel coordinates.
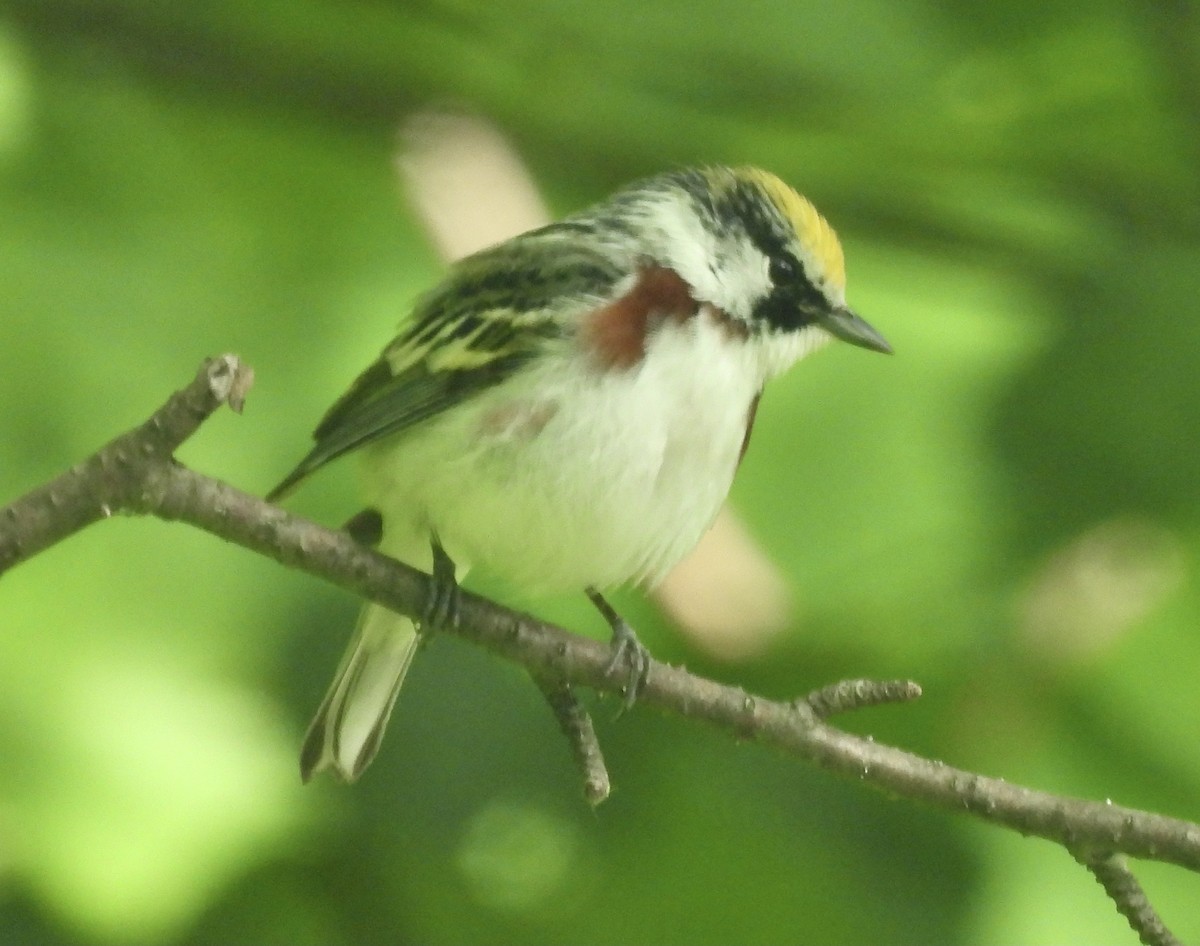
(792, 306)
(783, 270)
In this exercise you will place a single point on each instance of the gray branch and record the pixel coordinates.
(1119, 883)
(576, 725)
(137, 473)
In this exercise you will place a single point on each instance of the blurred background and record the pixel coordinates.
(1006, 511)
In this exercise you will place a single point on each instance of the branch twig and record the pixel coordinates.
(137, 473)
(1124, 890)
(577, 726)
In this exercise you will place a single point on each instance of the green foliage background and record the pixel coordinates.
(1006, 510)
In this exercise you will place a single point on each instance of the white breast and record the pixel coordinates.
(568, 476)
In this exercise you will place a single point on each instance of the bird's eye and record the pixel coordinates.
(783, 270)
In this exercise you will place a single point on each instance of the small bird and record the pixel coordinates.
(568, 408)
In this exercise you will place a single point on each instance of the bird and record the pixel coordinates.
(567, 409)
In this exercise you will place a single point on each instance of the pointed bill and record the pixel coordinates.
(844, 324)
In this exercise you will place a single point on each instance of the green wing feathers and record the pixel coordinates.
(494, 312)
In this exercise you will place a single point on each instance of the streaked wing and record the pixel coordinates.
(494, 312)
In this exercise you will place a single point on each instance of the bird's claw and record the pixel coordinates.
(626, 649)
(441, 610)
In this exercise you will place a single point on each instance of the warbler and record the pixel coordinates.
(568, 408)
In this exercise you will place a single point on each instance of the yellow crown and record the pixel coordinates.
(814, 234)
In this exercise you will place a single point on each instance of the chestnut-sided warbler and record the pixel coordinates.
(568, 408)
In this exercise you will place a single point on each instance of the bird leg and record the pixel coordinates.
(365, 527)
(441, 610)
(625, 648)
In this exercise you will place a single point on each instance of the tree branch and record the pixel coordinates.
(1130, 899)
(111, 479)
(137, 473)
(577, 726)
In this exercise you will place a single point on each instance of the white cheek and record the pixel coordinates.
(745, 273)
(683, 244)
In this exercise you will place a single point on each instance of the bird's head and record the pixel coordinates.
(749, 245)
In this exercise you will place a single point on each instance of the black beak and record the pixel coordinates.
(844, 324)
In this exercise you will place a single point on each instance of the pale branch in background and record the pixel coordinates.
(137, 473)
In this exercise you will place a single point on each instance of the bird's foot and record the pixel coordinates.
(441, 610)
(365, 527)
(626, 649)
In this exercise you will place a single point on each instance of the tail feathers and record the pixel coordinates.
(347, 730)
(293, 479)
